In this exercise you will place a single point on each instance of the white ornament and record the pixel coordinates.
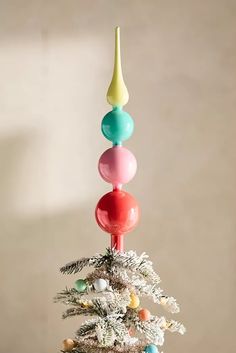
(100, 285)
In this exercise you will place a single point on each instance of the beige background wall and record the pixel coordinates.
(55, 66)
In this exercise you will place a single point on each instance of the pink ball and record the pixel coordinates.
(117, 166)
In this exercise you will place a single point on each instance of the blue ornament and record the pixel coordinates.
(151, 348)
(117, 126)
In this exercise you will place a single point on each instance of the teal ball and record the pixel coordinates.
(151, 348)
(80, 285)
(117, 126)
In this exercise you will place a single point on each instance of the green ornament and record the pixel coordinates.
(80, 285)
(117, 126)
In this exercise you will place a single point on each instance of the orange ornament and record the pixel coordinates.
(144, 315)
(68, 345)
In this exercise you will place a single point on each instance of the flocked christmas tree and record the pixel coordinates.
(111, 293)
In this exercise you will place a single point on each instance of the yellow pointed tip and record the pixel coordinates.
(117, 94)
(117, 34)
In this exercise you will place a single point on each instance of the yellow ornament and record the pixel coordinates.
(163, 300)
(168, 324)
(164, 324)
(134, 301)
(85, 304)
(68, 345)
(117, 94)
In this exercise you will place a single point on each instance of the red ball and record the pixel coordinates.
(117, 212)
(144, 315)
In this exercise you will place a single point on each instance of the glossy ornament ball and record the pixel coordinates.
(144, 315)
(68, 345)
(117, 126)
(151, 348)
(117, 212)
(131, 331)
(117, 166)
(80, 285)
(100, 284)
(163, 300)
(134, 301)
